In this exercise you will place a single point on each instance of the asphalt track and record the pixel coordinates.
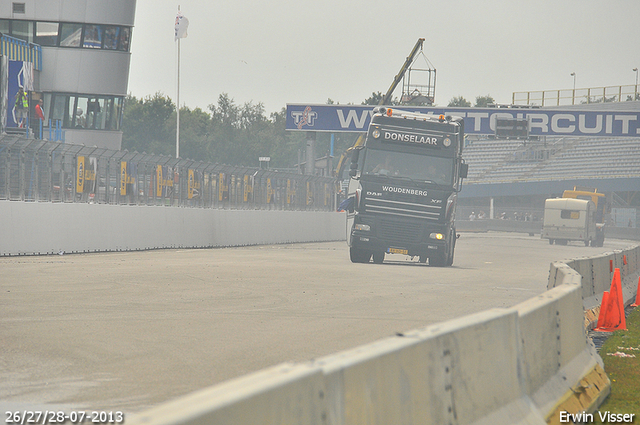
(125, 331)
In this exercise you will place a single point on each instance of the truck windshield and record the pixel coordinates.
(379, 162)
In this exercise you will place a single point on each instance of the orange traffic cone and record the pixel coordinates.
(637, 303)
(603, 307)
(613, 317)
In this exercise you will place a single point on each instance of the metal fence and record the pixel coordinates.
(577, 96)
(44, 171)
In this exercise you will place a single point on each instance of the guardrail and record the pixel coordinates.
(530, 364)
(39, 170)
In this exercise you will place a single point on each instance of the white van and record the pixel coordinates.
(567, 219)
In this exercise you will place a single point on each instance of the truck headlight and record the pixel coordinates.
(437, 236)
(375, 133)
(363, 227)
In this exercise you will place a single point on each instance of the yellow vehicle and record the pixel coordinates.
(599, 200)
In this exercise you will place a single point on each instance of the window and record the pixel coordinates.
(111, 35)
(5, 26)
(66, 34)
(70, 35)
(22, 30)
(416, 167)
(80, 117)
(92, 36)
(47, 108)
(114, 113)
(125, 35)
(60, 109)
(19, 8)
(85, 111)
(46, 33)
(570, 214)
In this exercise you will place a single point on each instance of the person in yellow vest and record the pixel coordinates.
(21, 108)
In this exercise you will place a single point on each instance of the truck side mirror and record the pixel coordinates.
(355, 155)
(353, 170)
(464, 170)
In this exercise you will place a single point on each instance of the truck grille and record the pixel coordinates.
(401, 232)
(402, 208)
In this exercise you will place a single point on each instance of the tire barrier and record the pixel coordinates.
(521, 365)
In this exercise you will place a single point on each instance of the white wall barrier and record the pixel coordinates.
(521, 365)
(48, 228)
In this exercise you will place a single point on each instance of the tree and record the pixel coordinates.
(225, 132)
(376, 97)
(146, 124)
(484, 101)
(194, 134)
(459, 101)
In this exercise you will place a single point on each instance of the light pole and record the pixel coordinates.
(635, 97)
(573, 96)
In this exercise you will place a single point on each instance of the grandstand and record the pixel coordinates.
(508, 161)
(519, 174)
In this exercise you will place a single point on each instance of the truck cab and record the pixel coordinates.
(403, 187)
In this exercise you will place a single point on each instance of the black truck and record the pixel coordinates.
(403, 187)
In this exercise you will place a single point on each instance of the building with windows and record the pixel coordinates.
(84, 69)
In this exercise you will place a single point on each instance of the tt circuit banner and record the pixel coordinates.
(542, 122)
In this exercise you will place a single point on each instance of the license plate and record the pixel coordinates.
(398, 251)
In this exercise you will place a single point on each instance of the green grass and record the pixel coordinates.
(624, 372)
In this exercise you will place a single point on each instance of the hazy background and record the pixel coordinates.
(281, 52)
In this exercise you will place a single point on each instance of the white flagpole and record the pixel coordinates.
(178, 103)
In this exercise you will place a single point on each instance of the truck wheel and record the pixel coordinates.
(422, 259)
(450, 260)
(550, 241)
(359, 255)
(453, 249)
(378, 257)
(438, 260)
(586, 243)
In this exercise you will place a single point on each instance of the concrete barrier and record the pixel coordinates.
(535, 227)
(530, 227)
(435, 375)
(283, 394)
(49, 228)
(567, 374)
(596, 274)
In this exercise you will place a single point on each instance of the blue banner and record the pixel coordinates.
(15, 81)
(542, 122)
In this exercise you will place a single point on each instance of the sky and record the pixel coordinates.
(281, 52)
